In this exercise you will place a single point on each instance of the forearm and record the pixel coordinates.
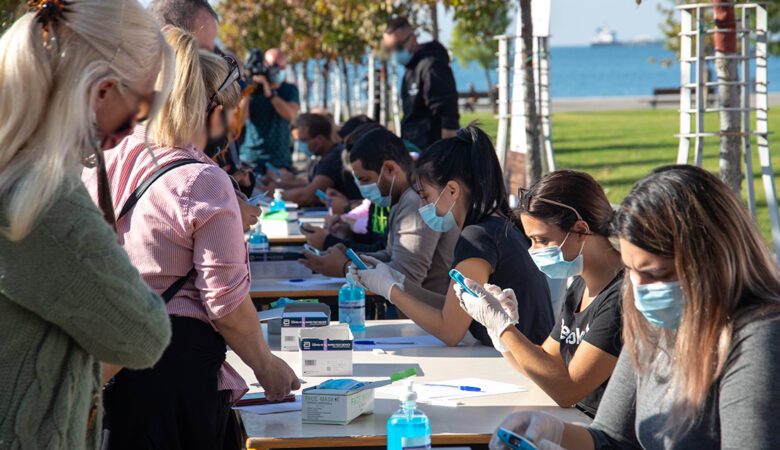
(576, 437)
(303, 196)
(242, 332)
(288, 110)
(447, 133)
(426, 317)
(544, 369)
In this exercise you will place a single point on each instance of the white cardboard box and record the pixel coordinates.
(335, 406)
(326, 351)
(298, 316)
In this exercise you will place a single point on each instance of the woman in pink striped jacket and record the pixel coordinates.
(185, 236)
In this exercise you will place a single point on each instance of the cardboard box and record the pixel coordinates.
(297, 316)
(326, 351)
(333, 406)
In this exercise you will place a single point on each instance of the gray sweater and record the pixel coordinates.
(740, 412)
(69, 298)
(414, 249)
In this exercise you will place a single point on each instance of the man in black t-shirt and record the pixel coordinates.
(315, 131)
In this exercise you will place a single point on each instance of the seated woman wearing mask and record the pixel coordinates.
(567, 217)
(184, 234)
(701, 313)
(461, 185)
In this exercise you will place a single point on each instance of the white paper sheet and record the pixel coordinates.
(273, 408)
(313, 282)
(433, 394)
(398, 342)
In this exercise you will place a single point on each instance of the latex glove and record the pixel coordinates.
(542, 429)
(507, 299)
(378, 278)
(487, 310)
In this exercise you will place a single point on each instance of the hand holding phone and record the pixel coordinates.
(322, 195)
(461, 280)
(302, 227)
(311, 249)
(514, 441)
(356, 259)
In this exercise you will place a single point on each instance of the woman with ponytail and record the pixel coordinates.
(75, 76)
(461, 184)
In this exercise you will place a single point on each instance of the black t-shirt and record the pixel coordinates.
(504, 246)
(332, 167)
(599, 325)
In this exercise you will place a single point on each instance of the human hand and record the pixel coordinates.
(249, 213)
(331, 263)
(315, 236)
(286, 177)
(542, 429)
(277, 378)
(379, 277)
(485, 309)
(338, 201)
(262, 81)
(507, 299)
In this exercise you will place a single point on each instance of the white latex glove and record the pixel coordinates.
(506, 298)
(379, 279)
(487, 310)
(542, 429)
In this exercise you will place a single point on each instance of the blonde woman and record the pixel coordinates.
(701, 327)
(74, 77)
(185, 236)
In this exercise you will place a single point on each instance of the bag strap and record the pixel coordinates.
(138, 193)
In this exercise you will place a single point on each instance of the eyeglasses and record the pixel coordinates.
(145, 102)
(525, 197)
(400, 45)
(232, 77)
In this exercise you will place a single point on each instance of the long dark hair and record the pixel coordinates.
(469, 158)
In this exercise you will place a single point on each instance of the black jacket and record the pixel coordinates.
(429, 96)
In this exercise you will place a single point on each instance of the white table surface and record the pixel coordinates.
(478, 415)
(275, 288)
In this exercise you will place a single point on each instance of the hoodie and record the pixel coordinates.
(429, 96)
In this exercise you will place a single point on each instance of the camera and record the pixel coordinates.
(255, 65)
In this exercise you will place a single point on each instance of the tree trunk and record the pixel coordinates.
(434, 21)
(346, 87)
(533, 161)
(728, 96)
(487, 78)
(325, 83)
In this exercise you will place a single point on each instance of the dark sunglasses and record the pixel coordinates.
(233, 75)
(525, 197)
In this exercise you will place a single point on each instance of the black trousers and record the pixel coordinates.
(175, 404)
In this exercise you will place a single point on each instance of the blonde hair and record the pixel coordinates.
(198, 75)
(727, 274)
(48, 82)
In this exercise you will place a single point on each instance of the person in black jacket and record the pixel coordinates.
(428, 92)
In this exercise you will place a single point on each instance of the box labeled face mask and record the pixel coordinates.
(326, 351)
(336, 402)
(298, 316)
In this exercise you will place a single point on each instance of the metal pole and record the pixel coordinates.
(745, 104)
(503, 100)
(544, 101)
(370, 101)
(685, 86)
(336, 94)
(700, 85)
(394, 97)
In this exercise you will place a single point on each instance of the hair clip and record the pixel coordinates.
(48, 12)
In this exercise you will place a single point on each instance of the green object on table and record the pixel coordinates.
(276, 215)
(308, 300)
(403, 374)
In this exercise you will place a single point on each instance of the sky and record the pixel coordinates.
(573, 22)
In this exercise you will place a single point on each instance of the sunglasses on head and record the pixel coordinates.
(233, 75)
(526, 197)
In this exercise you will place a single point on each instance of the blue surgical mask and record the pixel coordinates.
(436, 223)
(278, 77)
(402, 56)
(303, 148)
(345, 384)
(551, 262)
(372, 192)
(660, 303)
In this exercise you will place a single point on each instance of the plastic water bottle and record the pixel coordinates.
(258, 241)
(278, 203)
(352, 305)
(408, 428)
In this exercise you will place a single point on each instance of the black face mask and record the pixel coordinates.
(214, 145)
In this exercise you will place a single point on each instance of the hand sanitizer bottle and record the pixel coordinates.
(258, 241)
(352, 305)
(278, 203)
(408, 428)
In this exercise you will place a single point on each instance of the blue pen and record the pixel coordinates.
(322, 195)
(273, 169)
(330, 208)
(462, 388)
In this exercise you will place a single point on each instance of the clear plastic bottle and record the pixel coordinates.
(408, 428)
(352, 305)
(278, 203)
(258, 241)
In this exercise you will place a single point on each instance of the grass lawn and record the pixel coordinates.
(620, 147)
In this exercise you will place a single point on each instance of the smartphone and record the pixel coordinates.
(311, 249)
(260, 399)
(305, 230)
(356, 259)
(461, 280)
(322, 195)
(514, 441)
(256, 199)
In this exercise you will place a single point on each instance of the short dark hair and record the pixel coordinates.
(180, 13)
(352, 124)
(397, 23)
(315, 125)
(359, 132)
(380, 145)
